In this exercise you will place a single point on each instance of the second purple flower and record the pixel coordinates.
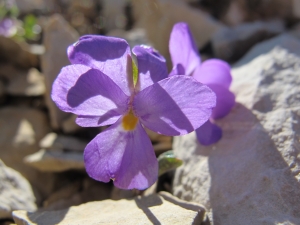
(214, 73)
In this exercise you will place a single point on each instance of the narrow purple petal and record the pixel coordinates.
(127, 157)
(208, 133)
(183, 49)
(88, 92)
(107, 54)
(177, 70)
(151, 66)
(214, 71)
(225, 101)
(174, 106)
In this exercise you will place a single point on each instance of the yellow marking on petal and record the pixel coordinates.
(135, 73)
(129, 121)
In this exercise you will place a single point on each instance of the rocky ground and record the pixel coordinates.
(251, 176)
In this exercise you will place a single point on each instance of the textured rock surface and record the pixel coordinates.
(15, 192)
(155, 209)
(58, 36)
(251, 176)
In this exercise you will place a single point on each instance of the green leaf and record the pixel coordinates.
(135, 73)
(167, 162)
(30, 21)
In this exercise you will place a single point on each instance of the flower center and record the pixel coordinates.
(129, 121)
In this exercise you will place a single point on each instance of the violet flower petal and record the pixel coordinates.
(208, 133)
(225, 101)
(88, 92)
(174, 106)
(151, 66)
(108, 54)
(214, 71)
(127, 157)
(177, 70)
(183, 49)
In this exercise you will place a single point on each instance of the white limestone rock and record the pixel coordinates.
(252, 175)
(154, 209)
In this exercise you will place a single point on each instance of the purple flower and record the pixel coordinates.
(214, 73)
(100, 89)
(7, 27)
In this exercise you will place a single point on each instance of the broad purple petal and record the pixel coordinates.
(183, 49)
(127, 157)
(174, 106)
(151, 66)
(107, 54)
(225, 101)
(209, 133)
(88, 92)
(214, 71)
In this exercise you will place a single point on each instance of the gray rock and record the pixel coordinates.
(15, 192)
(58, 36)
(59, 153)
(17, 53)
(252, 175)
(234, 14)
(154, 209)
(84, 16)
(76, 193)
(231, 43)
(21, 130)
(62, 142)
(69, 126)
(55, 161)
(2, 91)
(36, 49)
(30, 83)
